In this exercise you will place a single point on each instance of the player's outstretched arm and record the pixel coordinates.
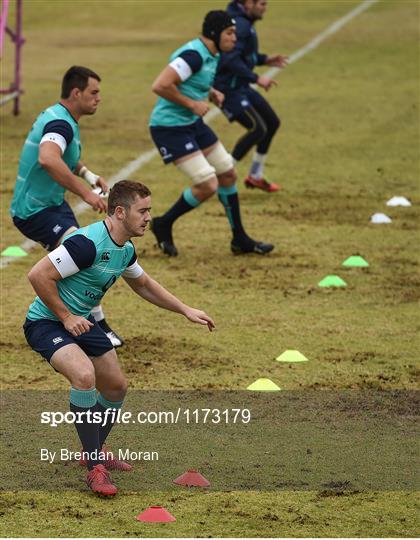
(277, 61)
(43, 278)
(153, 292)
(50, 160)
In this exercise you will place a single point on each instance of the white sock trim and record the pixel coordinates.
(259, 158)
(257, 166)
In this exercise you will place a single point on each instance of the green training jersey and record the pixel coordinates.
(196, 86)
(35, 189)
(89, 262)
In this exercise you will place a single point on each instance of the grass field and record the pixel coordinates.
(349, 141)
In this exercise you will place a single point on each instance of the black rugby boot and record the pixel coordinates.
(163, 234)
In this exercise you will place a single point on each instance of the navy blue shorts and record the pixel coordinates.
(46, 337)
(48, 226)
(179, 141)
(235, 102)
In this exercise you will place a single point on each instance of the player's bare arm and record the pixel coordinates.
(43, 278)
(166, 86)
(50, 159)
(216, 97)
(153, 292)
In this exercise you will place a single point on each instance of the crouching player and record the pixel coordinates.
(49, 165)
(70, 281)
(183, 138)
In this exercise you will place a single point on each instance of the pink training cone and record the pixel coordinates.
(156, 514)
(192, 478)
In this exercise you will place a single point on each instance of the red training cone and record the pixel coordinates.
(156, 514)
(192, 478)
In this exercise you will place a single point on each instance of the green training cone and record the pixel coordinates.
(291, 356)
(13, 251)
(264, 385)
(332, 281)
(355, 261)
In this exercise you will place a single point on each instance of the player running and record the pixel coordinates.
(70, 282)
(178, 130)
(242, 103)
(49, 165)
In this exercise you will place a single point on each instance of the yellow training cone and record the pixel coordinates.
(291, 356)
(263, 385)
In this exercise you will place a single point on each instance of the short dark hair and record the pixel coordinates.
(76, 77)
(124, 194)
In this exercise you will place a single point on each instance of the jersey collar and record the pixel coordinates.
(109, 234)
(64, 107)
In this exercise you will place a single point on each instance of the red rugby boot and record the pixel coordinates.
(111, 463)
(114, 464)
(261, 183)
(99, 481)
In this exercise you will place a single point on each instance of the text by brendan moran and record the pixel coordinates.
(124, 454)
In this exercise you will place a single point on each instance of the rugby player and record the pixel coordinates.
(242, 103)
(182, 138)
(70, 281)
(50, 164)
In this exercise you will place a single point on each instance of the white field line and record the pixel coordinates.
(147, 156)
